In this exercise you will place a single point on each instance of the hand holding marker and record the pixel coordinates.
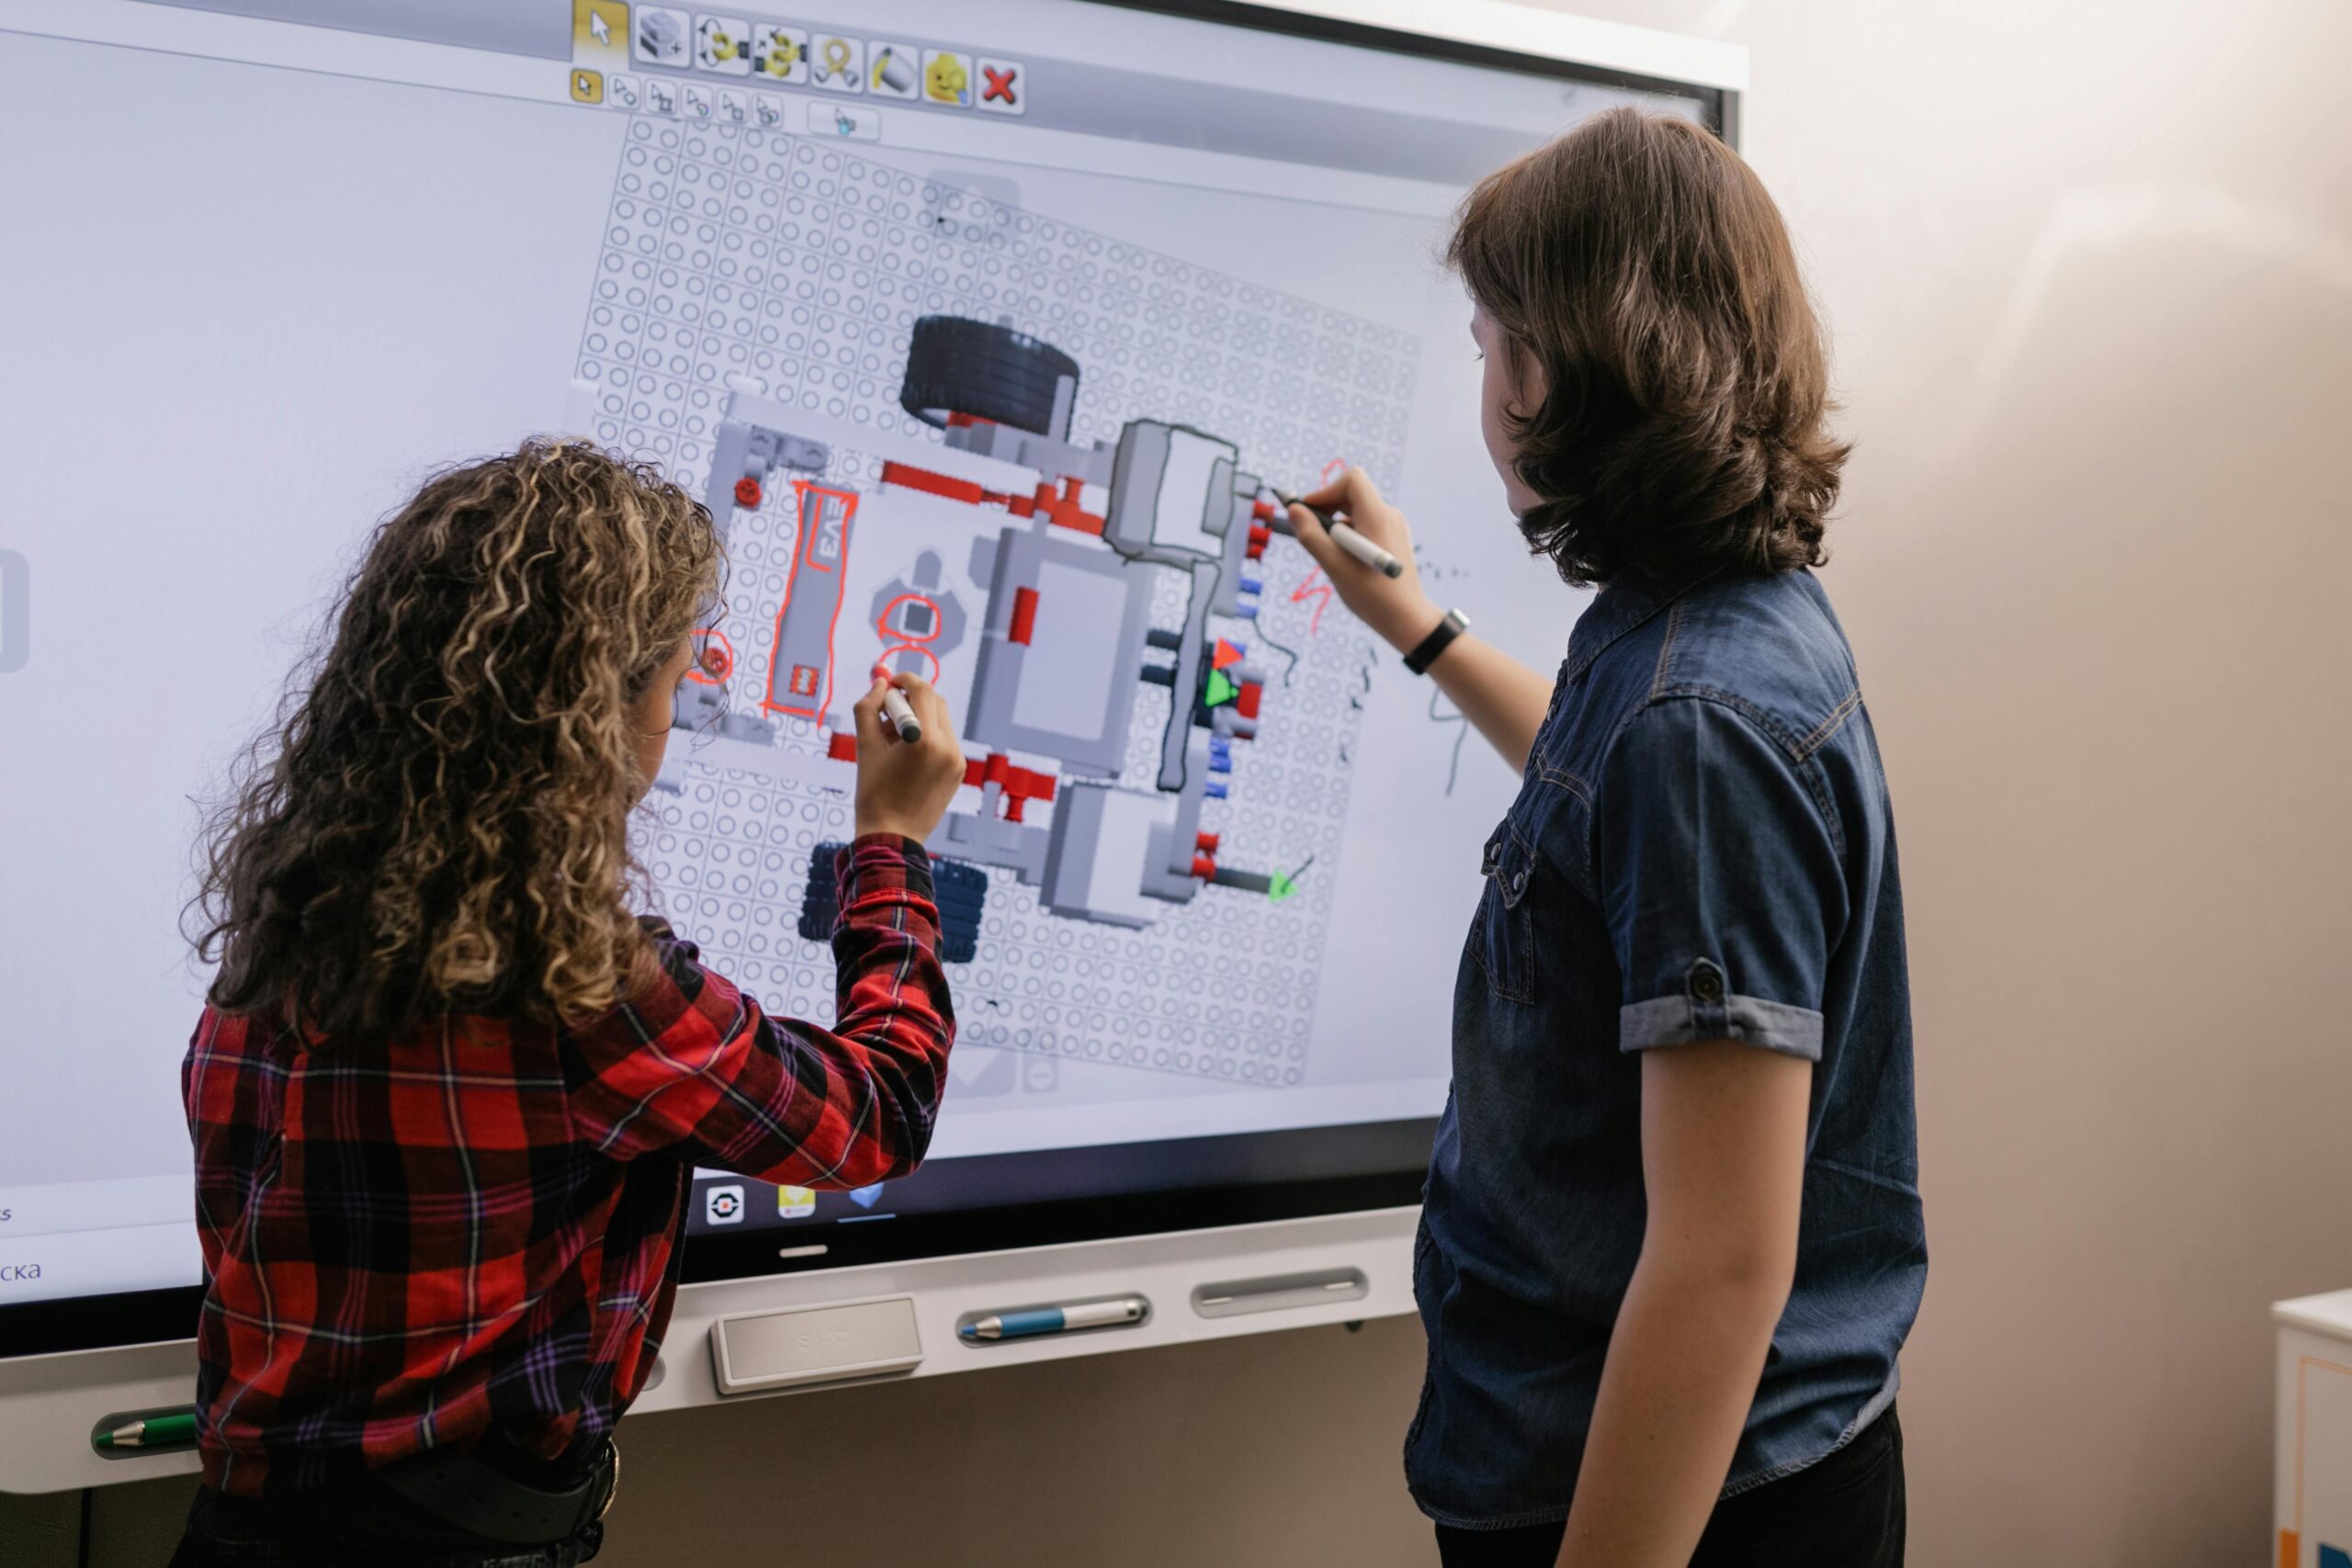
(902, 718)
(1348, 539)
(908, 765)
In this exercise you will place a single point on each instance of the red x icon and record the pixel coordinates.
(1000, 88)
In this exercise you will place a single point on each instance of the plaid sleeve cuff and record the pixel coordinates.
(883, 865)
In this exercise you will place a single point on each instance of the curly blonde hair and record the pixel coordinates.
(438, 823)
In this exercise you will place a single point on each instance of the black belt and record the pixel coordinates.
(457, 1486)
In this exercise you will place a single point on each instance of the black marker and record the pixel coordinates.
(1348, 539)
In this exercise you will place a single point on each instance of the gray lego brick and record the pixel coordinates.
(1069, 692)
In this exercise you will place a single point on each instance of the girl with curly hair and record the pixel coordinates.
(448, 1090)
(1671, 1238)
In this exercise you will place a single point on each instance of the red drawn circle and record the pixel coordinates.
(882, 666)
(882, 622)
(714, 657)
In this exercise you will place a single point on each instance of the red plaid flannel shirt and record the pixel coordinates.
(477, 1227)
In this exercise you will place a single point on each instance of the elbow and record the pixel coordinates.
(1742, 1276)
(913, 1147)
(896, 1153)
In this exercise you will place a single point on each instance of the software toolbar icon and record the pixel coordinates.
(660, 35)
(947, 77)
(837, 63)
(1003, 85)
(723, 44)
(779, 54)
(895, 72)
(600, 33)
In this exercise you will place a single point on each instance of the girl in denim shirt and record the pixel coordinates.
(1671, 1240)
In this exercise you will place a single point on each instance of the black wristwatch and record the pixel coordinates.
(1425, 653)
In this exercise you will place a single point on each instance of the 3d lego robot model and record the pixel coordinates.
(1073, 536)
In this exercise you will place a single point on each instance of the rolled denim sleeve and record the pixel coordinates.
(1721, 877)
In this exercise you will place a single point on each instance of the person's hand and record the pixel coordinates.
(905, 788)
(1393, 607)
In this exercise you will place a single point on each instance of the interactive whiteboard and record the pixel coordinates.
(987, 333)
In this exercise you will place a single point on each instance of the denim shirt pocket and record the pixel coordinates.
(1503, 937)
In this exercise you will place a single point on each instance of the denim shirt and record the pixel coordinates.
(1702, 849)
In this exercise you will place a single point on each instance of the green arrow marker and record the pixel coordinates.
(1281, 888)
(1221, 688)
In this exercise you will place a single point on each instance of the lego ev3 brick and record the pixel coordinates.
(1069, 691)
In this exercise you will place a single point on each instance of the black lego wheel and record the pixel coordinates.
(955, 365)
(960, 890)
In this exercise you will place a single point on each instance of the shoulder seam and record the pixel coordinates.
(1764, 723)
(1666, 649)
(1846, 708)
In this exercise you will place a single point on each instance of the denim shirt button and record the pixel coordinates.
(1707, 985)
(1519, 880)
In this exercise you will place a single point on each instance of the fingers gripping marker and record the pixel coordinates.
(901, 716)
(1348, 539)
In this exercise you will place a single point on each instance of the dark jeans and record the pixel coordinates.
(1845, 1512)
(364, 1522)
(235, 1532)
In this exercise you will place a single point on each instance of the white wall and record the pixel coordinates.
(2088, 268)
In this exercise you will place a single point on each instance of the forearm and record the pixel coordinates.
(889, 1047)
(1684, 1357)
(1502, 698)
(694, 1066)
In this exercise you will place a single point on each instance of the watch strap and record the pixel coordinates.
(1425, 652)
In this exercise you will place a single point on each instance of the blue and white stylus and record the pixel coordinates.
(1055, 1320)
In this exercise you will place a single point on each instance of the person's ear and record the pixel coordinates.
(1529, 384)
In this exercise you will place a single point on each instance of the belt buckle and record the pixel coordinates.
(612, 1486)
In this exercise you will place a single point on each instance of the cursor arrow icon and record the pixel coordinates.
(601, 28)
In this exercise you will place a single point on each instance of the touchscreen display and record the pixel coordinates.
(987, 333)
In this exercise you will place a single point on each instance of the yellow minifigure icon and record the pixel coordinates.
(948, 79)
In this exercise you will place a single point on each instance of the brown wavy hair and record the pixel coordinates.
(1639, 265)
(438, 823)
